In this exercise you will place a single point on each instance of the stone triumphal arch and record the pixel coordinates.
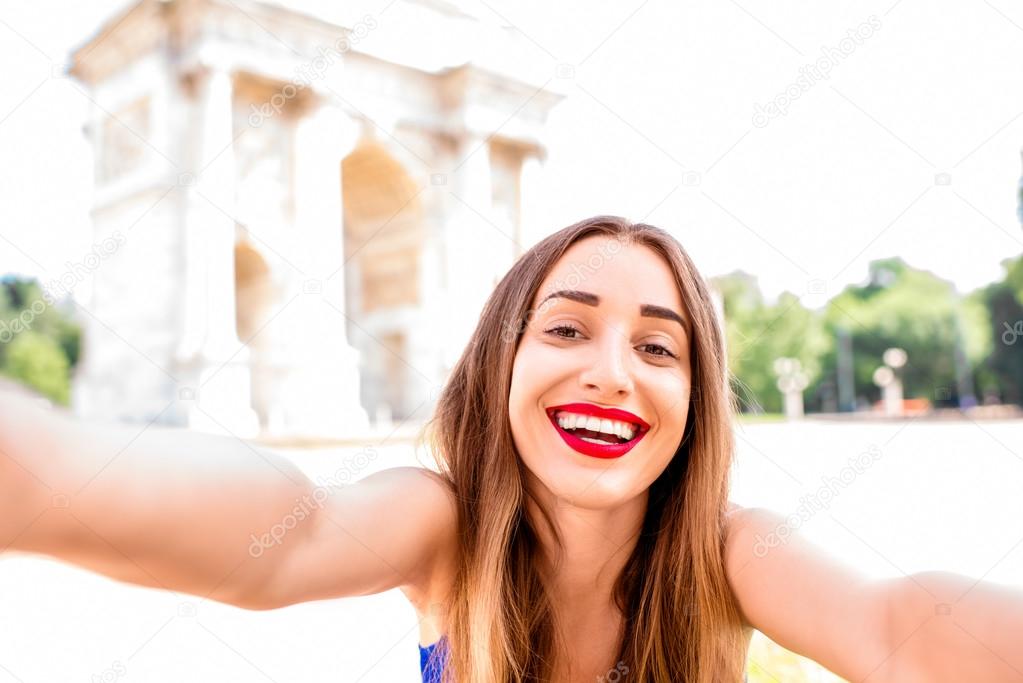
(313, 217)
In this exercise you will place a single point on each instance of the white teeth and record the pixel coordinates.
(623, 430)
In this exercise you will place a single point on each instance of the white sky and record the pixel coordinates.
(846, 176)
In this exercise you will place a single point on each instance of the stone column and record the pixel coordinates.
(321, 395)
(469, 244)
(212, 362)
(533, 225)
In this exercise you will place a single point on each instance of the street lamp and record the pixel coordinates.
(791, 382)
(889, 381)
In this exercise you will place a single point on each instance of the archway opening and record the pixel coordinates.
(254, 297)
(383, 244)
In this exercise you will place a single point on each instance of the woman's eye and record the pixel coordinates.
(665, 352)
(569, 330)
(555, 330)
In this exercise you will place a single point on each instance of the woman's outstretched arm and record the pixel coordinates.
(926, 626)
(951, 627)
(206, 515)
(807, 600)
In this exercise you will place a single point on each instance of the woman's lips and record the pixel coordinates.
(596, 450)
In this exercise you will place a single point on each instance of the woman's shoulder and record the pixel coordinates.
(435, 502)
(438, 498)
(432, 491)
(747, 529)
(438, 505)
(739, 516)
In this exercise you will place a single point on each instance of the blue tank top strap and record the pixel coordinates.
(431, 665)
(433, 668)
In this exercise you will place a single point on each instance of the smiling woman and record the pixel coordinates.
(578, 553)
(578, 528)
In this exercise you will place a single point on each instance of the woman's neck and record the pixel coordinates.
(596, 545)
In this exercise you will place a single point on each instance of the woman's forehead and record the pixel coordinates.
(596, 270)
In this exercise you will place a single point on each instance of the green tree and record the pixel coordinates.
(34, 331)
(1001, 374)
(904, 307)
(759, 333)
(1014, 277)
(39, 362)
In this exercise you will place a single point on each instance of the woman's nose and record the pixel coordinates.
(610, 372)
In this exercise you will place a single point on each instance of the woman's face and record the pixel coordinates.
(617, 357)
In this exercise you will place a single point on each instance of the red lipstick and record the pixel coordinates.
(595, 450)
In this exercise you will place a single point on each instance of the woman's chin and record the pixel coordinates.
(583, 487)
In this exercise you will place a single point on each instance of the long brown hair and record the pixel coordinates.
(681, 621)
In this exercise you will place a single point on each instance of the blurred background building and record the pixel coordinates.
(296, 268)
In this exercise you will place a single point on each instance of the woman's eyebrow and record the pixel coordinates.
(590, 299)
